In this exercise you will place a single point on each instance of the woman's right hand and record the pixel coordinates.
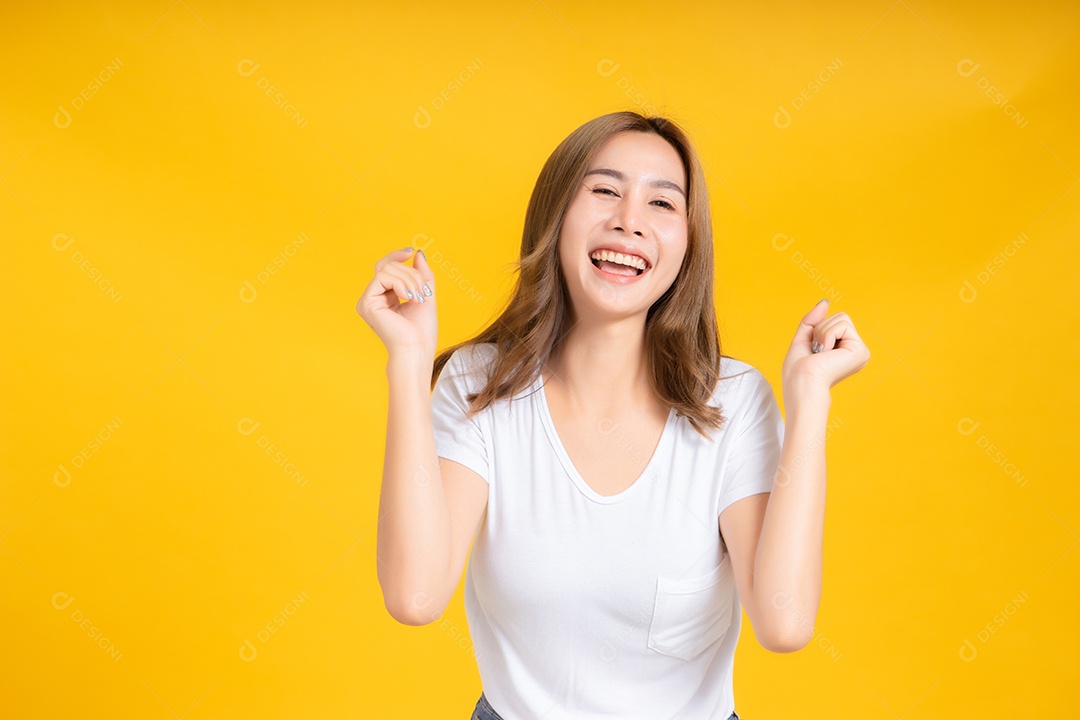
(409, 327)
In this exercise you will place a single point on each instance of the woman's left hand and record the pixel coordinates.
(841, 351)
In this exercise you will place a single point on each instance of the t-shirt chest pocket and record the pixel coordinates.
(691, 614)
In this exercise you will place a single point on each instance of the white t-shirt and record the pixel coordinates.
(587, 606)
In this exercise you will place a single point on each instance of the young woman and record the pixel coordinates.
(628, 487)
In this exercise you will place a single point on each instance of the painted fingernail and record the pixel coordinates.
(407, 249)
(815, 346)
(427, 290)
(409, 294)
(420, 298)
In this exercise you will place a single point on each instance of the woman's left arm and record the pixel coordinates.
(779, 546)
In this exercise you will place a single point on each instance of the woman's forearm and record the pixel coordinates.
(414, 521)
(788, 564)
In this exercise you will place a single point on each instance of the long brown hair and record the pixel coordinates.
(681, 337)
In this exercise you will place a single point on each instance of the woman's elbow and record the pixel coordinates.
(417, 608)
(783, 642)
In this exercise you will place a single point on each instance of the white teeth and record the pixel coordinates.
(632, 260)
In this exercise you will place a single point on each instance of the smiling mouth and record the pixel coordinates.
(616, 268)
(612, 262)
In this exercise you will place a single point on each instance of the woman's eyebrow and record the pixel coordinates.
(618, 175)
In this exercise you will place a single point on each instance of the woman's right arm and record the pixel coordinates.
(428, 508)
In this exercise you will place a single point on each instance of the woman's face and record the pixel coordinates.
(632, 201)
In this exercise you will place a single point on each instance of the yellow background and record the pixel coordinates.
(185, 250)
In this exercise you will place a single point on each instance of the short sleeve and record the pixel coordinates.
(754, 453)
(456, 437)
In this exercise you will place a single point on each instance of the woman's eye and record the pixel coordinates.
(609, 191)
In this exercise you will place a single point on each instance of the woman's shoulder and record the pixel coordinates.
(739, 380)
(472, 358)
(469, 365)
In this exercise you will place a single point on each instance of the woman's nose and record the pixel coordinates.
(628, 217)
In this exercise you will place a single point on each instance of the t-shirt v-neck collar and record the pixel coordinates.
(540, 401)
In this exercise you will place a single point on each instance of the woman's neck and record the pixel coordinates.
(604, 367)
